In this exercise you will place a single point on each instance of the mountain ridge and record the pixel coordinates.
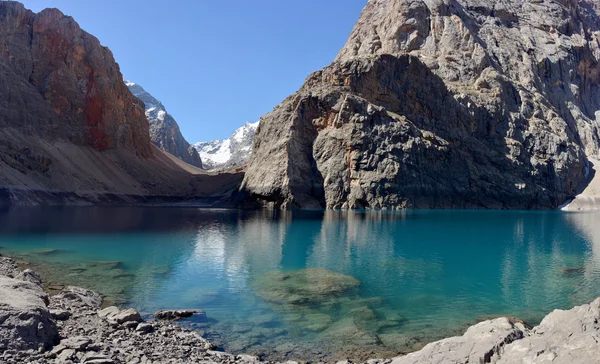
(164, 130)
(440, 104)
(228, 153)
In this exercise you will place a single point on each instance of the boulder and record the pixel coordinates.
(563, 337)
(177, 314)
(25, 322)
(30, 276)
(114, 316)
(479, 344)
(78, 297)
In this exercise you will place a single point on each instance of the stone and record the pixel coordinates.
(8, 267)
(110, 311)
(144, 327)
(307, 286)
(440, 104)
(25, 322)
(248, 358)
(30, 276)
(79, 297)
(77, 343)
(563, 337)
(128, 315)
(177, 314)
(479, 344)
(60, 315)
(66, 355)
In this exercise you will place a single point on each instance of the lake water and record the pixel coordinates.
(316, 284)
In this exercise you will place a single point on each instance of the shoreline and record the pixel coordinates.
(73, 326)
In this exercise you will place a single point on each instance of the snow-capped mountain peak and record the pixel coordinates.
(164, 130)
(232, 152)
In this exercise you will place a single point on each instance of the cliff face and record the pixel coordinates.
(440, 104)
(164, 130)
(59, 83)
(70, 129)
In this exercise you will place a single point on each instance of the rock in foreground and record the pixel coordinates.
(563, 337)
(25, 321)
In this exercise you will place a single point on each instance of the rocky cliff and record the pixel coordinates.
(228, 153)
(441, 104)
(70, 129)
(164, 130)
(59, 83)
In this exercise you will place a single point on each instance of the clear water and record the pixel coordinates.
(423, 275)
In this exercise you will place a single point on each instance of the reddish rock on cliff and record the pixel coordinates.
(59, 83)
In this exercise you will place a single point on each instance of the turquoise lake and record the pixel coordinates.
(317, 284)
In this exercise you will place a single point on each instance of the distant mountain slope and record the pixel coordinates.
(71, 131)
(164, 130)
(232, 152)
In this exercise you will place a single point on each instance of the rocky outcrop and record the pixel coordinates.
(440, 104)
(229, 153)
(562, 337)
(164, 130)
(71, 132)
(59, 83)
(25, 321)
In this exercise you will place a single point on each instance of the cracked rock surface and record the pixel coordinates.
(440, 104)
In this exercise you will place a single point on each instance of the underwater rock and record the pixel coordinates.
(307, 286)
(47, 252)
(571, 271)
(315, 322)
(174, 315)
(347, 332)
(108, 265)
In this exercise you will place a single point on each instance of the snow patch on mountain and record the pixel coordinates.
(164, 130)
(228, 153)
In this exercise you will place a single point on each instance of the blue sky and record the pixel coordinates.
(216, 64)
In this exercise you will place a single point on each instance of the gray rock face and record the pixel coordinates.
(563, 337)
(478, 345)
(25, 322)
(164, 130)
(59, 83)
(440, 104)
(228, 153)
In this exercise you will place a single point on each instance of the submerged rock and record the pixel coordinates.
(174, 315)
(572, 271)
(313, 285)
